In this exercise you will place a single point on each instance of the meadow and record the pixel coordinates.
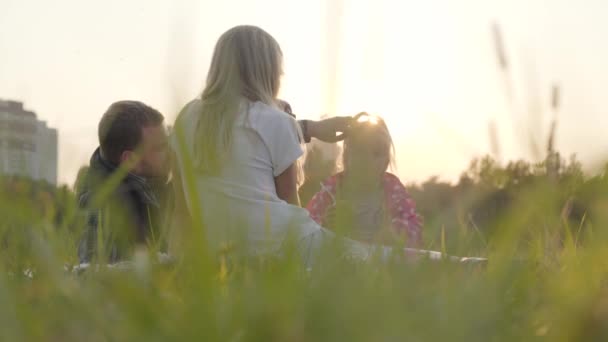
(543, 233)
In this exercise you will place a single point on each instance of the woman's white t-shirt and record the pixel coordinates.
(241, 203)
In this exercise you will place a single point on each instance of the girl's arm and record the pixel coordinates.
(287, 185)
(319, 206)
(405, 219)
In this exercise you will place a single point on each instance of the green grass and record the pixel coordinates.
(546, 280)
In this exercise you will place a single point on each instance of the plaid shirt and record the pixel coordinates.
(400, 206)
(129, 215)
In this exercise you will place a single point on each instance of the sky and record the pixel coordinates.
(428, 67)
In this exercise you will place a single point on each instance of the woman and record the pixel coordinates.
(243, 151)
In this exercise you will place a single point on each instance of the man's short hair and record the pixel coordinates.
(120, 128)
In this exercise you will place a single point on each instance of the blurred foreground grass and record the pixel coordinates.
(546, 279)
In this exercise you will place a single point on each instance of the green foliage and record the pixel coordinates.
(546, 279)
(488, 193)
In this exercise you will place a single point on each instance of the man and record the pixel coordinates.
(124, 192)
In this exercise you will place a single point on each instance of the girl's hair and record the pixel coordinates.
(367, 128)
(247, 64)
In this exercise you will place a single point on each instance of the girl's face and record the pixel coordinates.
(369, 158)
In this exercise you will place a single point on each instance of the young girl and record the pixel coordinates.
(370, 203)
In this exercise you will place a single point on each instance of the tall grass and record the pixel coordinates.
(541, 283)
(546, 280)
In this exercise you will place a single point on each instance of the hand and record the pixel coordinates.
(330, 130)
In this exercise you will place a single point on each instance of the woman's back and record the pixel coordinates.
(241, 201)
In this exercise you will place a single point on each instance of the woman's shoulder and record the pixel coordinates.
(272, 124)
(185, 123)
(260, 111)
(186, 114)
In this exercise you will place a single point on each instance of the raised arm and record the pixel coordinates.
(329, 130)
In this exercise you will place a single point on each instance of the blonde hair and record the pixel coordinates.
(367, 127)
(247, 64)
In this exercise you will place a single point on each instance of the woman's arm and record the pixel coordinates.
(286, 185)
(329, 130)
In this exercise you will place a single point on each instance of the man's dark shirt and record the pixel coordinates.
(125, 215)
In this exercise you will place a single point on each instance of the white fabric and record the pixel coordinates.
(242, 202)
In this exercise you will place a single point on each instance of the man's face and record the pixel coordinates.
(153, 153)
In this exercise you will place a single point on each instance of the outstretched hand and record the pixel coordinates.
(330, 130)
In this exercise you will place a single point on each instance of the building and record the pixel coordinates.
(27, 146)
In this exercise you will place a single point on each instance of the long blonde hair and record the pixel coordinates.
(247, 64)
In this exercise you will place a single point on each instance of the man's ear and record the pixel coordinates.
(129, 159)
